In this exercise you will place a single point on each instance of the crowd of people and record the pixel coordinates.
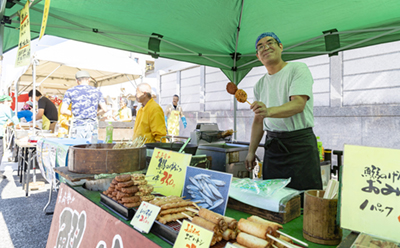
(283, 109)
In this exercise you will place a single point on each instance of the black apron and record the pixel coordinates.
(293, 154)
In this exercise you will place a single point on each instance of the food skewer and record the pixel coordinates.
(294, 239)
(190, 218)
(240, 95)
(283, 242)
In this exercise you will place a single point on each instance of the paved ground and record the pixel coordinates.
(23, 224)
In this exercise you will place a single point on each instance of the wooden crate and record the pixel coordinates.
(293, 210)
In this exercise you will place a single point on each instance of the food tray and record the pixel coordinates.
(122, 211)
(168, 232)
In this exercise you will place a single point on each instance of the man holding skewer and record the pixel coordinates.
(284, 108)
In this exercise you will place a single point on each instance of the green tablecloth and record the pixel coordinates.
(293, 228)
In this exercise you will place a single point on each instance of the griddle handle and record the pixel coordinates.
(336, 169)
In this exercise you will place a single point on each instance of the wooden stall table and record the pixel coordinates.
(103, 225)
(53, 153)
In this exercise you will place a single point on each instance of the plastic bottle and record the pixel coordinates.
(320, 149)
(109, 132)
(94, 138)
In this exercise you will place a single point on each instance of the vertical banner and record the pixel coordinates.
(371, 191)
(44, 19)
(24, 45)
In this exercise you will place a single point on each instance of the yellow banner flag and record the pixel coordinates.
(24, 45)
(44, 19)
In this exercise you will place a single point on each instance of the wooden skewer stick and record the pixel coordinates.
(274, 246)
(179, 222)
(193, 210)
(248, 102)
(196, 206)
(283, 242)
(190, 218)
(294, 239)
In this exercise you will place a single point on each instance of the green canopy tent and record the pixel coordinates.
(213, 33)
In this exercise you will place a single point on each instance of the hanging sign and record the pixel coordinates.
(44, 19)
(193, 236)
(370, 194)
(24, 45)
(79, 222)
(145, 216)
(168, 168)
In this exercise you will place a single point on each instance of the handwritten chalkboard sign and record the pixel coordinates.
(168, 169)
(78, 222)
(371, 191)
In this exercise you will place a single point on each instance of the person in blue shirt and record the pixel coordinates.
(85, 100)
(6, 114)
(26, 112)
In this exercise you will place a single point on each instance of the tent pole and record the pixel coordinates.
(16, 97)
(51, 73)
(34, 92)
(234, 69)
(2, 11)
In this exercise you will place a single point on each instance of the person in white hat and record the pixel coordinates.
(85, 100)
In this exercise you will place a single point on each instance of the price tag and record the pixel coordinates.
(193, 236)
(229, 245)
(145, 216)
(370, 192)
(168, 169)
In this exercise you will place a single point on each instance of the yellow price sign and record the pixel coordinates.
(193, 236)
(168, 169)
(370, 193)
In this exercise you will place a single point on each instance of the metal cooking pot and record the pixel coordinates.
(190, 148)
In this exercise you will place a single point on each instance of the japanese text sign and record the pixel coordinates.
(168, 169)
(44, 19)
(193, 236)
(370, 200)
(24, 45)
(145, 216)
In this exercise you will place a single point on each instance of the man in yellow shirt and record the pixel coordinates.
(149, 122)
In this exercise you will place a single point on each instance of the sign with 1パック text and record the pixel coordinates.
(370, 195)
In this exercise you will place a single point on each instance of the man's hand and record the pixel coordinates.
(250, 161)
(260, 109)
(18, 126)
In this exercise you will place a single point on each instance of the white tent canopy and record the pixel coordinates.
(56, 67)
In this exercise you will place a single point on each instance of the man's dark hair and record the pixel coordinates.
(176, 95)
(30, 94)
